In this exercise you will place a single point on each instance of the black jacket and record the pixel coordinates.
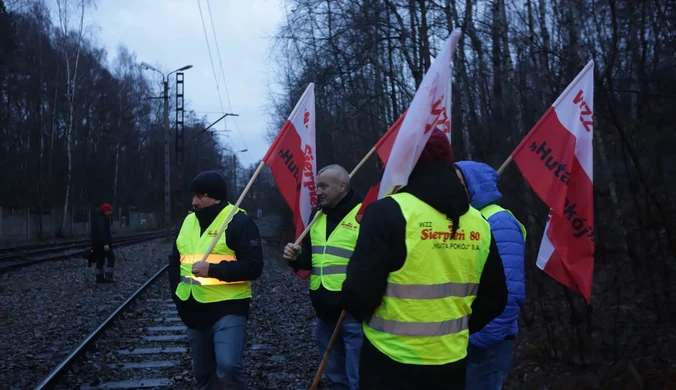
(241, 236)
(101, 231)
(327, 304)
(381, 249)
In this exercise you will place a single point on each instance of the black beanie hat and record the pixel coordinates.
(211, 184)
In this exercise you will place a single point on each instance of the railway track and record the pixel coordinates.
(15, 259)
(137, 346)
(38, 245)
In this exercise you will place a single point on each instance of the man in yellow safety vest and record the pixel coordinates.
(424, 275)
(326, 251)
(212, 296)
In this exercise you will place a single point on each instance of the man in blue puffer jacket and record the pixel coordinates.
(489, 354)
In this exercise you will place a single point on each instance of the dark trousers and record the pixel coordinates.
(488, 368)
(104, 258)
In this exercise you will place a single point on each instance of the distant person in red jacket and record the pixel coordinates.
(102, 244)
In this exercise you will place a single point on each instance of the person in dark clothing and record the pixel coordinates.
(213, 296)
(425, 261)
(326, 251)
(102, 244)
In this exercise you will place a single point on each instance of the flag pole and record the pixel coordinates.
(325, 359)
(318, 213)
(505, 164)
(233, 211)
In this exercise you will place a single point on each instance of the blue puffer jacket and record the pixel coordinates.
(482, 185)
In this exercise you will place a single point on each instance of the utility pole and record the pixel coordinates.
(167, 162)
(180, 91)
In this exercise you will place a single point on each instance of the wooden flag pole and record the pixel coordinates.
(505, 164)
(233, 211)
(325, 359)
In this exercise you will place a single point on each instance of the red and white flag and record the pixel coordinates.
(436, 86)
(556, 158)
(383, 148)
(428, 110)
(384, 145)
(293, 163)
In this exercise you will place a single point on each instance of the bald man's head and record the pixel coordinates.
(333, 184)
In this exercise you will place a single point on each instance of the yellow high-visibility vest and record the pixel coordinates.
(424, 315)
(192, 246)
(330, 257)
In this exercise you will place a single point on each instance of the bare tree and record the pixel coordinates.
(71, 48)
(514, 59)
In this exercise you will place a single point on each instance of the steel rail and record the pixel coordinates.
(53, 376)
(25, 250)
(63, 256)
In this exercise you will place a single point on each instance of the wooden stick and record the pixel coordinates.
(318, 213)
(233, 211)
(325, 360)
(363, 161)
(504, 165)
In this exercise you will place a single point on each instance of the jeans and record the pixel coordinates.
(217, 354)
(342, 368)
(488, 368)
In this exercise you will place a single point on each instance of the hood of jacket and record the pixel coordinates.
(482, 183)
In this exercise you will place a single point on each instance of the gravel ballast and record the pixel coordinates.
(48, 309)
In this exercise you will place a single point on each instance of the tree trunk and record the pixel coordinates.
(72, 86)
(424, 38)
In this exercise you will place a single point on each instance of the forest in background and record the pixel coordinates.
(77, 131)
(367, 58)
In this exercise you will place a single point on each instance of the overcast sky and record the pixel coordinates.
(168, 34)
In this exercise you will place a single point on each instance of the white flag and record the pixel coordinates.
(428, 110)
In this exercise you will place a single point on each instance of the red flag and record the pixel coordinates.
(383, 148)
(556, 158)
(370, 197)
(429, 109)
(385, 143)
(291, 159)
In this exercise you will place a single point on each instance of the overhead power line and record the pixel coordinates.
(225, 84)
(213, 68)
(211, 58)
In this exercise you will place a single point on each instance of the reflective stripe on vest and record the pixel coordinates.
(191, 246)
(419, 329)
(330, 257)
(491, 209)
(424, 315)
(188, 260)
